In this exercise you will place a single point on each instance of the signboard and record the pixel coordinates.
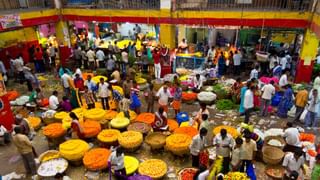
(10, 21)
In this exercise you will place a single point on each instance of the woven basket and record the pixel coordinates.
(108, 144)
(156, 140)
(132, 150)
(189, 102)
(54, 142)
(49, 153)
(180, 172)
(206, 102)
(276, 168)
(279, 138)
(142, 127)
(272, 155)
(156, 85)
(76, 163)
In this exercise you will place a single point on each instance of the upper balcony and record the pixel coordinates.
(254, 5)
(9, 6)
(112, 4)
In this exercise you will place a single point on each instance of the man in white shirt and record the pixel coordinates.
(293, 162)
(224, 144)
(283, 62)
(116, 160)
(53, 101)
(103, 93)
(254, 73)
(247, 152)
(248, 104)
(267, 92)
(18, 66)
(211, 54)
(198, 82)
(237, 62)
(164, 94)
(65, 78)
(91, 58)
(292, 138)
(100, 58)
(197, 145)
(284, 79)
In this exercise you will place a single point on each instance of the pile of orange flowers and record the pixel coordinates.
(34, 122)
(110, 114)
(96, 159)
(12, 95)
(189, 96)
(90, 128)
(146, 118)
(173, 124)
(54, 130)
(188, 130)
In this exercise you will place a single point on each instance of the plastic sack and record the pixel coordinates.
(303, 115)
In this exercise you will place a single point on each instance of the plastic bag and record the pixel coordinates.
(303, 115)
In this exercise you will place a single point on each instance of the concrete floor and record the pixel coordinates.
(11, 161)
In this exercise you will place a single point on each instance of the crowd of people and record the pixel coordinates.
(238, 154)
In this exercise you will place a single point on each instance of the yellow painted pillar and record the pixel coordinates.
(307, 57)
(182, 33)
(62, 33)
(168, 35)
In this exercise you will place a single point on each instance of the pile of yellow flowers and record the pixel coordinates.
(154, 168)
(177, 143)
(119, 122)
(140, 80)
(96, 114)
(109, 135)
(66, 122)
(96, 79)
(73, 149)
(79, 112)
(119, 89)
(48, 155)
(34, 122)
(132, 115)
(230, 130)
(217, 167)
(131, 164)
(130, 139)
(236, 176)
(61, 115)
(110, 114)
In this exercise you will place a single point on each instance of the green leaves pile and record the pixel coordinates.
(225, 104)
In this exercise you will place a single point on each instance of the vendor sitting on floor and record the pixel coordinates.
(198, 83)
(65, 104)
(36, 97)
(160, 122)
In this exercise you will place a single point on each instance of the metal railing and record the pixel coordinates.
(113, 4)
(25, 4)
(289, 5)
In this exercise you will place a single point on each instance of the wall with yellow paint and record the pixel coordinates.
(14, 37)
(309, 47)
(168, 35)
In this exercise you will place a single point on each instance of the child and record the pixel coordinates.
(235, 161)
(88, 96)
(149, 97)
(65, 104)
(124, 105)
(135, 101)
(209, 126)
(176, 104)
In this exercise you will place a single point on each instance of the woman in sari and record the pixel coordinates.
(286, 102)
(221, 65)
(242, 93)
(236, 88)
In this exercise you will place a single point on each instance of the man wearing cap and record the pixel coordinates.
(23, 124)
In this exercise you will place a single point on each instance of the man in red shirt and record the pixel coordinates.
(39, 64)
(79, 83)
(156, 58)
